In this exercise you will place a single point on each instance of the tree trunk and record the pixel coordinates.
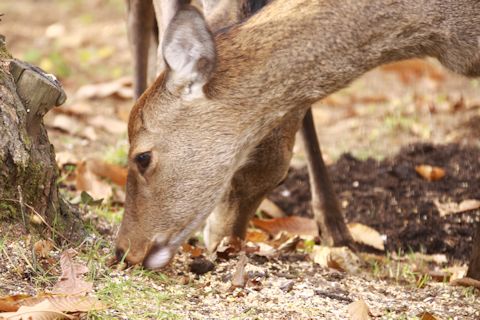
(474, 265)
(28, 171)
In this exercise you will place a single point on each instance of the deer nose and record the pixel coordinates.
(158, 256)
(119, 254)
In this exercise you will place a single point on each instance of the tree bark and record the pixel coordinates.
(28, 171)
(474, 265)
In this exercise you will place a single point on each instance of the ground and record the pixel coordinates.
(373, 134)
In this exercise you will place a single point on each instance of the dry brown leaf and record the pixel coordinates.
(44, 310)
(65, 157)
(42, 248)
(115, 173)
(466, 282)
(256, 236)
(411, 70)
(64, 303)
(366, 235)
(293, 225)
(339, 258)
(438, 258)
(439, 276)
(71, 281)
(290, 245)
(426, 316)
(121, 88)
(89, 133)
(87, 181)
(229, 246)
(66, 123)
(430, 173)
(193, 251)
(271, 209)
(265, 250)
(76, 109)
(358, 310)
(447, 208)
(108, 124)
(457, 272)
(11, 303)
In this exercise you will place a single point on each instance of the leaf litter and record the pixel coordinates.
(67, 297)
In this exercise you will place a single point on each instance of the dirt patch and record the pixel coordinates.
(391, 197)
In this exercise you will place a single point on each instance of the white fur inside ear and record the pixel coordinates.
(189, 52)
(193, 91)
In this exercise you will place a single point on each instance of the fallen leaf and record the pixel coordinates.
(41, 311)
(120, 88)
(430, 173)
(42, 248)
(457, 272)
(268, 207)
(293, 225)
(10, 303)
(192, 250)
(265, 250)
(439, 276)
(466, 282)
(89, 133)
(71, 281)
(65, 157)
(287, 285)
(447, 208)
(366, 235)
(438, 258)
(108, 124)
(290, 245)
(66, 123)
(339, 258)
(413, 69)
(65, 303)
(115, 173)
(87, 181)
(358, 310)
(228, 247)
(76, 109)
(240, 277)
(256, 236)
(426, 316)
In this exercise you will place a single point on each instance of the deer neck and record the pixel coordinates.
(296, 52)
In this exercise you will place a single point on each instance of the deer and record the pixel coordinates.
(221, 14)
(221, 98)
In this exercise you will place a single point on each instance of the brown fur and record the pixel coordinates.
(269, 70)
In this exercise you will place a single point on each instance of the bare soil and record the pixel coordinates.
(391, 197)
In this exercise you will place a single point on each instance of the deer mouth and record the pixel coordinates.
(158, 256)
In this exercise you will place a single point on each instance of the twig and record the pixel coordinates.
(333, 296)
(20, 201)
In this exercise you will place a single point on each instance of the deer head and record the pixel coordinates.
(218, 98)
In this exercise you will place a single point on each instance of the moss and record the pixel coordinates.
(4, 54)
(8, 210)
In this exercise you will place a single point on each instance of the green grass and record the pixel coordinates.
(134, 297)
(117, 154)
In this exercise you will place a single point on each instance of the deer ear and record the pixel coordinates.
(189, 52)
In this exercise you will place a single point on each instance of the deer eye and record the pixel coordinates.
(143, 160)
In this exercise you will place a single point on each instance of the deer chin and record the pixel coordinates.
(163, 249)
